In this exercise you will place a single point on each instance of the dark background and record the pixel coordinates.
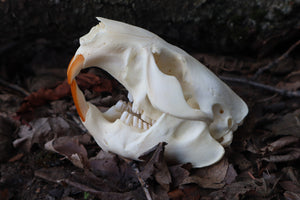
(231, 27)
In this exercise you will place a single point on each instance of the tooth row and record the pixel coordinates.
(134, 121)
(146, 119)
(120, 106)
(127, 108)
(135, 109)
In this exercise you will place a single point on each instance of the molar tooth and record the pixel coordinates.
(124, 116)
(119, 105)
(135, 109)
(153, 121)
(135, 121)
(129, 107)
(129, 119)
(140, 125)
(145, 118)
(145, 126)
(129, 96)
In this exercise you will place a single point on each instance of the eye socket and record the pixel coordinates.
(171, 65)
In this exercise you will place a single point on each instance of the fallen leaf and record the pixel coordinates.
(291, 195)
(285, 155)
(16, 157)
(70, 147)
(44, 95)
(289, 186)
(176, 194)
(110, 167)
(234, 191)
(209, 177)
(281, 143)
(230, 175)
(86, 183)
(179, 173)
(156, 167)
(292, 174)
(42, 130)
(289, 124)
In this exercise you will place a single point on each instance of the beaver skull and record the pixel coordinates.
(172, 97)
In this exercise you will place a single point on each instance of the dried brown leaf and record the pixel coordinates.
(71, 148)
(113, 169)
(87, 183)
(176, 194)
(190, 192)
(179, 173)
(235, 191)
(292, 174)
(156, 166)
(291, 195)
(42, 130)
(281, 143)
(230, 175)
(44, 95)
(289, 124)
(209, 177)
(288, 154)
(289, 186)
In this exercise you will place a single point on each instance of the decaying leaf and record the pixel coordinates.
(115, 170)
(179, 173)
(291, 195)
(235, 190)
(289, 124)
(87, 183)
(156, 167)
(281, 143)
(285, 155)
(45, 95)
(72, 148)
(210, 177)
(42, 130)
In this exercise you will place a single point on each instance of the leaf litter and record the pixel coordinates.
(47, 144)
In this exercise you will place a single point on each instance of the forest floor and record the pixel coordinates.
(46, 153)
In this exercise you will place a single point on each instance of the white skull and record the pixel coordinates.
(174, 98)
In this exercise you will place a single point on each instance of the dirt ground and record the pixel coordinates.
(36, 107)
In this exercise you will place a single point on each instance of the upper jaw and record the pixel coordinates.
(135, 114)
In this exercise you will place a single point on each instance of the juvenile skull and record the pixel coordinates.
(173, 98)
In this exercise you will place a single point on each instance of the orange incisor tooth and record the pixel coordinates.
(74, 67)
(79, 100)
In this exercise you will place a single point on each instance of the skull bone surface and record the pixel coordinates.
(172, 97)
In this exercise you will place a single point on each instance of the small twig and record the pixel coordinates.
(14, 87)
(282, 92)
(275, 62)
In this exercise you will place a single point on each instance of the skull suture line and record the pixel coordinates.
(173, 97)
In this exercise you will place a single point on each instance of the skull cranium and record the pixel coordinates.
(173, 97)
